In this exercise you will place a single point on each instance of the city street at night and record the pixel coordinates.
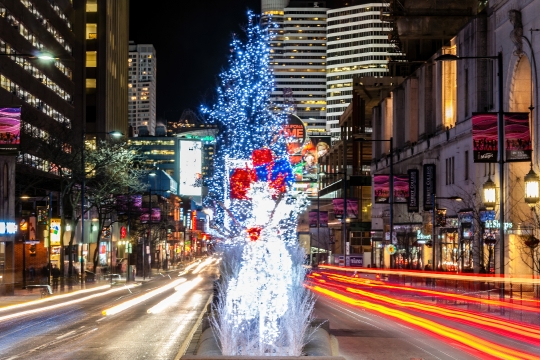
(151, 320)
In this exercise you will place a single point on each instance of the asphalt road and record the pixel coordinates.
(79, 330)
(384, 323)
(365, 335)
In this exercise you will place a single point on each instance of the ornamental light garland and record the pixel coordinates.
(262, 307)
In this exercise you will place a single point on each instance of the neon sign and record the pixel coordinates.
(8, 228)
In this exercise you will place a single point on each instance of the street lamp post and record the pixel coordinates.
(500, 138)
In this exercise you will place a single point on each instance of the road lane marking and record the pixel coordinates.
(66, 334)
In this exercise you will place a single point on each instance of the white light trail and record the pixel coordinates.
(64, 304)
(53, 298)
(126, 305)
(181, 290)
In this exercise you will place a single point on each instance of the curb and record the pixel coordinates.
(187, 341)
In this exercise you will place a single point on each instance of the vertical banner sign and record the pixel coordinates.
(352, 208)
(381, 188)
(323, 219)
(313, 218)
(429, 185)
(412, 204)
(485, 137)
(517, 137)
(401, 189)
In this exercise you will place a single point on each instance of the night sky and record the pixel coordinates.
(192, 42)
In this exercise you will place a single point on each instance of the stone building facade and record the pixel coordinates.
(429, 117)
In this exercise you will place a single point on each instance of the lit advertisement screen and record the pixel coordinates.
(190, 168)
(10, 129)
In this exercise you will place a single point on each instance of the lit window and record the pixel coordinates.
(91, 31)
(91, 58)
(90, 83)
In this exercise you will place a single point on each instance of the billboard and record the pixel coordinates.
(306, 162)
(517, 137)
(295, 134)
(190, 168)
(10, 129)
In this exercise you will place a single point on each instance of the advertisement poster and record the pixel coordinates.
(190, 168)
(381, 188)
(295, 134)
(55, 231)
(305, 162)
(429, 185)
(413, 203)
(401, 189)
(352, 208)
(517, 137)
(484, 136)
(10, 129)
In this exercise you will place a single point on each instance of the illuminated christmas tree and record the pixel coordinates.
(262, 307)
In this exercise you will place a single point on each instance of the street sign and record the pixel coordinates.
(31, 242)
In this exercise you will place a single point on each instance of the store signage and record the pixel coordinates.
(356, 260)
(429, 185)
(495, 224)
(8, 228)
(420, 236)
(413, 203)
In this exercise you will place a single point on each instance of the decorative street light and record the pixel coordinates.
(489, 192)
(532, 188)
(500, 140)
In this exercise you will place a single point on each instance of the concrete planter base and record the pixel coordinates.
(321, 346)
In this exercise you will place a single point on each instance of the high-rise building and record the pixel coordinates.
(357, 47)
(298, 58)
(142, 89)
(46, 89)
(107, 29)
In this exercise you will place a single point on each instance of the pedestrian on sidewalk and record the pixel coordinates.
(55, 275)
(44, 274)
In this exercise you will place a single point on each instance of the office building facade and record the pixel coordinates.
(142, 89)
(298, 58)
(107, 29)
(357, 47)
